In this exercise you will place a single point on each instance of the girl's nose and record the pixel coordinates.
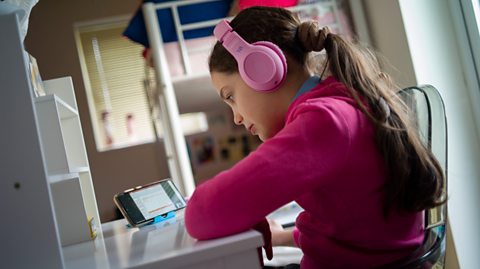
(237, 118)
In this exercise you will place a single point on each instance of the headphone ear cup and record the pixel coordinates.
(264, 68)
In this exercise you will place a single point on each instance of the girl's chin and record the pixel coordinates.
(265, 136)
(261, 137)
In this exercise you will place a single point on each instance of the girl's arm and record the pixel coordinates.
(311, 147)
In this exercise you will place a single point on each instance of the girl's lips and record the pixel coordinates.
(251, 129)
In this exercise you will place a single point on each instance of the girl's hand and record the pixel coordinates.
(275, 226)
(263, 228)
(280, 236)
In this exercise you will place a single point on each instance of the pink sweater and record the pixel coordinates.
(326, 160)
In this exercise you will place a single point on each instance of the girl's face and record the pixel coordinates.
(262, 114)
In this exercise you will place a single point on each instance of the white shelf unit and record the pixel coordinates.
(31, 236)
(66, 161)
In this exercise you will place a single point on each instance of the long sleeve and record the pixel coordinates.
(308, 152)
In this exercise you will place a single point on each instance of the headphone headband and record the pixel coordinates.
(221, 29)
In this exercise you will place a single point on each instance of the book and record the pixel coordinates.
(37, 82)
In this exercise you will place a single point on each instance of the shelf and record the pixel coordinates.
(37, 133)
(65, 110)
(74, 172)
(61, 177)
(80, 169)
(30, 237)
(63, 88)
(70, 210)
(61, 135)
(66, 161)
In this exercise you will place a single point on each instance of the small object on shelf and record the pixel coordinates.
(93, 227)
(37, 82)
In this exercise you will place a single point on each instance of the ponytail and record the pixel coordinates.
(414, 176)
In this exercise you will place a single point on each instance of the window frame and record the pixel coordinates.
(468, 37)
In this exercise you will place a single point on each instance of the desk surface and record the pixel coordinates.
(162, 245)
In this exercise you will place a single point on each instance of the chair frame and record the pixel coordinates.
(433, 248)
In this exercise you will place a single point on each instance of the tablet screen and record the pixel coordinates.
(147, 202)
(157, 200)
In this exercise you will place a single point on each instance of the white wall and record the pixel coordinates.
(419, 40)
(388, 36)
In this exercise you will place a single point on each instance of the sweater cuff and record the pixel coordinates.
(296, 235)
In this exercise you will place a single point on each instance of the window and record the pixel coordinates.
(467, 22)
(114, 78)
(471, 13)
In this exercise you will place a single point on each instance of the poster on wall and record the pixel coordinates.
(203, 149)
(234, 147)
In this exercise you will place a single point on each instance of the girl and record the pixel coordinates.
(341, 147)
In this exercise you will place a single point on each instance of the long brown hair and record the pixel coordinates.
(415, 178)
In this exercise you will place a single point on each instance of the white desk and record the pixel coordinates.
(163, 245)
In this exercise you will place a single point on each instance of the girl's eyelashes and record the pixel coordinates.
(228, 97)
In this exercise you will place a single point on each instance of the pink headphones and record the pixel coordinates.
(262, 64)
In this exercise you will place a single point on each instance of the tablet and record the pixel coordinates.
(142, 204)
